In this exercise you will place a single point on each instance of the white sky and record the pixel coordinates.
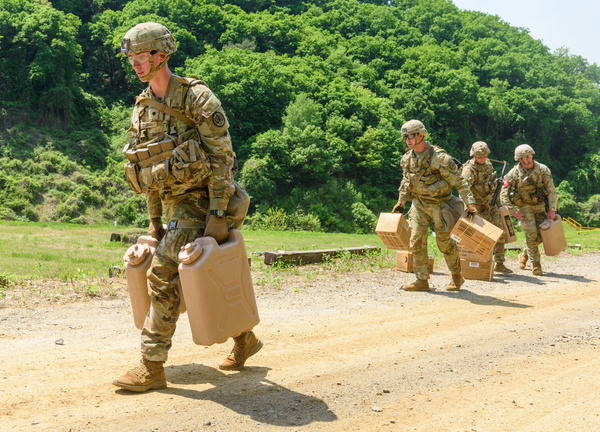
(574, 24)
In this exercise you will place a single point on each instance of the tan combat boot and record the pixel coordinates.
(418, 285)
(500, 267)
(523, 257)
(455, 283)
(148, 375)
(246, 345)
(537, 269)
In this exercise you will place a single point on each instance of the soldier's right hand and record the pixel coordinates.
(471, 210)
(156, 229)
(217, 228)
(398, 208)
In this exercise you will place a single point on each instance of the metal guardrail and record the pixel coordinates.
(577, 226)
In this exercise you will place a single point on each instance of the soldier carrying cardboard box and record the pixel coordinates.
(429, 174)
(482, 178)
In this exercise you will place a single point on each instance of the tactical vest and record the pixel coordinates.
(165, 153)
(527, 188)
(424, 181)
(484, 181)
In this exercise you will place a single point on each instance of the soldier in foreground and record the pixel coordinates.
(529, 188)
(185, 174)
(482, 179)
(429, 173)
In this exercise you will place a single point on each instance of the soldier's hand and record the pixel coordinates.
(217, 228)
(471, 210)
(156, 229)
(551, 214)
(398, 208)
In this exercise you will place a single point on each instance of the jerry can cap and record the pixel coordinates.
(190, 253)
(136, 254)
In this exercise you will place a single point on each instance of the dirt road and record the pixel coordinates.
(344, 352)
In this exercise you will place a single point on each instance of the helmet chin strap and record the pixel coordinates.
(153, 69)
(422, 139)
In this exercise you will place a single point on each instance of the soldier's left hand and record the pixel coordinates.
(217, 228)
(551, 214)
(471, 210)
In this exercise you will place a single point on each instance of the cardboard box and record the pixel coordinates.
(477, 270)
(507, 224)
(477, 235)
(404, 261)
(393, 229)
(467, 255)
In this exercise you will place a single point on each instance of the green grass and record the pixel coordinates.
(64, 252)
(69, 252)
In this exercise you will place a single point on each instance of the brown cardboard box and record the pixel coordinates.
(477, 270)
(507, 224)
(404, 261)
(477, 235)
(393, 229)
(467, 255)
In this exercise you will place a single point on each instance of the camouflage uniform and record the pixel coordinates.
(482, 179)
(433, 189)
(195, 178)
(528, 190)
(181, 158)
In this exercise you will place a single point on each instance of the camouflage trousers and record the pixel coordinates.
(421, 216)
(493, 216)
(165, 293)
(533, 216)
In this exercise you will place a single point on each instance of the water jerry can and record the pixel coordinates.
(137, 262)
(217, 286)
(553, 236)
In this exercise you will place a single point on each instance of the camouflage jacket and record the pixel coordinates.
(523, 187)
(440, 175)
(193, 156)
(482, 179)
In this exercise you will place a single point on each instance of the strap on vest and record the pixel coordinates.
(164, 108)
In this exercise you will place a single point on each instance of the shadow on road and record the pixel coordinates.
(479, 299)
(250, 393)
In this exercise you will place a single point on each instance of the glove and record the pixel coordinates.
(156, 229)
(398, 208)
(470, 211)
(217, 228)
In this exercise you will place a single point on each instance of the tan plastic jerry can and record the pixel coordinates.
(137, 262)
(217, 287)
(553, 236)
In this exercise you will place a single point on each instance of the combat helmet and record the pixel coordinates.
(413, 127)
(479, 149)
(523, 150)
(148, 37)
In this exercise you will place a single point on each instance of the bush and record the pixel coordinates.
(363, 219)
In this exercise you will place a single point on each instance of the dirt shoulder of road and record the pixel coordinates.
(344, 351)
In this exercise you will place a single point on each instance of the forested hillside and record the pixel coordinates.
(315, 92)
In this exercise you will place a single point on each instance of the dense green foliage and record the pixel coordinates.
(315, 91)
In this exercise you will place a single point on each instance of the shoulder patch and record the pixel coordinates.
(218, 119)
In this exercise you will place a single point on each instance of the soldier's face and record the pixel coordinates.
(527, 162)
(480, 160)
(140, 64)
(413, 140)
